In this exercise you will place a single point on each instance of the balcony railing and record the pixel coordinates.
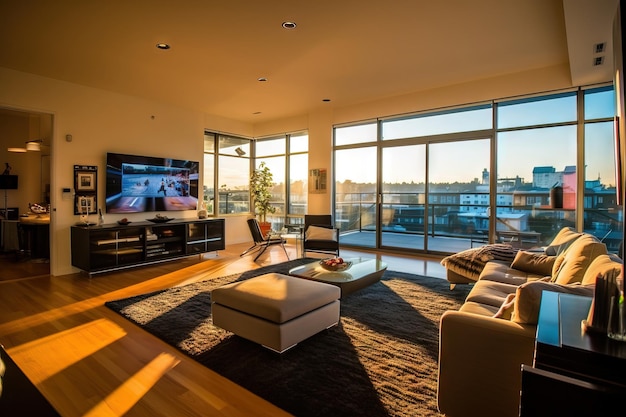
(524, 226)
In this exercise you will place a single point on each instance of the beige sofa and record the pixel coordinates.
(483, 345)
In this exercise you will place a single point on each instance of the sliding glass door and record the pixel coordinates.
(403, 199)
(355, 195)
(458, 194)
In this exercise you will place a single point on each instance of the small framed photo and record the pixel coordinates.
(85, 204)
(85, 181)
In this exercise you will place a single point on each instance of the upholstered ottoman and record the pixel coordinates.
(275, 310)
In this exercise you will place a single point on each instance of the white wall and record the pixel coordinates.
(102, 121)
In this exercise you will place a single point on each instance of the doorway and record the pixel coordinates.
(25, 149)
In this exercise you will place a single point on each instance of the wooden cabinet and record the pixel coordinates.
(111, 246)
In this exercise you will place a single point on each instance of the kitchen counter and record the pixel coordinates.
(33, 218)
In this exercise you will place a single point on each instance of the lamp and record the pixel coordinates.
(31, 145)
(34, 145)
(20, 150)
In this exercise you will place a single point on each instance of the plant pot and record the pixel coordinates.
(266, 227)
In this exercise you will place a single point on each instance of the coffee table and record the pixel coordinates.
(363, 272)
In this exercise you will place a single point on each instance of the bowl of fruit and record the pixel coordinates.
(335, 264)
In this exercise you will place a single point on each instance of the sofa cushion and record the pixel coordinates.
(570, 266)
(478, 308)
(535, 263)
(490, 292)
(561, 241)
(602, 265)
(502, 272)
(528, 298)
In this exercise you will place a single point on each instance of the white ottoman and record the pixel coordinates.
(277, 311)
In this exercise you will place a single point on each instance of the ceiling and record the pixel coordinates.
(346, 51)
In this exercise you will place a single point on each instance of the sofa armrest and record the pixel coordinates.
(480, 359)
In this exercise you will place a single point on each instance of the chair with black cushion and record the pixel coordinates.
(261, 243)
(320, 235)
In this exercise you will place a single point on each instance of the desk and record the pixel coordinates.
(584, 371)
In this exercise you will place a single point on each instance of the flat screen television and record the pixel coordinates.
(8, 182)
(137, 184)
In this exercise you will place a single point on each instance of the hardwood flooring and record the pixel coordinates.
(89, 361)
(14, 267)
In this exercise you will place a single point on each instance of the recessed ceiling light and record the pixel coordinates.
(262, 79)
(289, 25)
(163, 46)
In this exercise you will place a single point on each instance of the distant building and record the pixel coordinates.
(546, 177)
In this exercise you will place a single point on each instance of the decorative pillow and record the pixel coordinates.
(320, 233)
(602, 265)
(528, 298)
(562, 241)
(470, 262)
(570, 266)
(535, 263)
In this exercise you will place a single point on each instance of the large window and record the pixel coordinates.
(355, 192)
(231, 183)
(227, 164)
(602, 216)
(514, 171)
(536, 177)
(298, 162)
(287, 158)
(438, 123)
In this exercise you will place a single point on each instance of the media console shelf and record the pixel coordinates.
(97, 249)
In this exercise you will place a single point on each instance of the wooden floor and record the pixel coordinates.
(88, 361)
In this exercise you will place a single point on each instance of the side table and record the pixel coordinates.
(575, 373)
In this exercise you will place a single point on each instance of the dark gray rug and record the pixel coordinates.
(380, 361)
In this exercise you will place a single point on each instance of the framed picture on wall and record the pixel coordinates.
(85, 181)
(85, 189)
(85, 204)
(317, 181)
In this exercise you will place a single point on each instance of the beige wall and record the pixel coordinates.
(102, 121)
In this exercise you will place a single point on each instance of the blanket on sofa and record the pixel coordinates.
(470, 262)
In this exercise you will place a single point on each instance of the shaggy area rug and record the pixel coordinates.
(381, 360)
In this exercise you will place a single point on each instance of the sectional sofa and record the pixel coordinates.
(483, 345)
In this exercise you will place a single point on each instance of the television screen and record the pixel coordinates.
(8, 182)
(141, 183)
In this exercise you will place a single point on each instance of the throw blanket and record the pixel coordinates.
(470, 263)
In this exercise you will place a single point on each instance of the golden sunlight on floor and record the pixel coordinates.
(89, 361)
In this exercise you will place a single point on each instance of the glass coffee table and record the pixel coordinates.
(362, 273)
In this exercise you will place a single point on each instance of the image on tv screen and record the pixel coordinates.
(142, 183)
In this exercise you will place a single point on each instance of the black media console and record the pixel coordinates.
(109, 247)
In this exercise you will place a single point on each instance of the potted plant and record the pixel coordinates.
(261, 183)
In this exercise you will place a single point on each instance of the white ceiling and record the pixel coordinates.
(348, 51)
